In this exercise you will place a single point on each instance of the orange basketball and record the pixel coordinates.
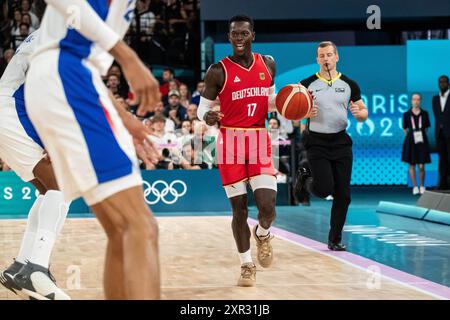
(294, 101)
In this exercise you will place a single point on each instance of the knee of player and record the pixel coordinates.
(145, 227)
(153, 228)
(240, 216)
(267, 211)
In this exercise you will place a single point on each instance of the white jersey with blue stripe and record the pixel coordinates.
(14, 75)
(85, 28)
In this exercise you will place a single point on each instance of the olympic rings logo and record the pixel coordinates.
(162, 193)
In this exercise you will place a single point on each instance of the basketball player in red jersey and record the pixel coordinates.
(244, 83)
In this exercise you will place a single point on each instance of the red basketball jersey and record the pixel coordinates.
(244, 98)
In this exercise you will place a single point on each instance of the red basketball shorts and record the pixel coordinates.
(243, 153)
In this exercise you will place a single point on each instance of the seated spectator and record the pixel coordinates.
(24, 31)
(164, 142)
(148, 123)
(115, 69)
(198, 91)
(15, 23)
(192, 112)
(167, 76)
(286, 126)
(159, 136)
(7, 56)
(26, 18)
(281, 150)
(146, 19)
(159, 111)
(206, 144)
(185, 134)
(26, 8)
(174, 110)
(190, 159)
(123, 88)
(174, 85)
(185, 95)
(186, 128)
(176, 15)
(113, 83)
(143, 25)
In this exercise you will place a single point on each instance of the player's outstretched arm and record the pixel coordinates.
(214, 81)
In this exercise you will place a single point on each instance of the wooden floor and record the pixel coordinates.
(199, 261)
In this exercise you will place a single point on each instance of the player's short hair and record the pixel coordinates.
(324, 44)
(416, 93)
(242, 18)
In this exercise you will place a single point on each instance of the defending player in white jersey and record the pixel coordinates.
(23, 151)
(88, 136)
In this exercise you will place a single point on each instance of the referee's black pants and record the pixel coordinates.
(330, 159)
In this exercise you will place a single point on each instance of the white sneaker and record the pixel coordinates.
(422, 189)
(37, 282)
(329, 198)
(415, 191)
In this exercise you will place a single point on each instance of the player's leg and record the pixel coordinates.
(113, 278)
(22, 148)
(93, 156)
(237, 195)
(233, 173)
(342, 172)
(47, 222)
(137, 228)
(26, 246)
(265, 192)
(264, 186)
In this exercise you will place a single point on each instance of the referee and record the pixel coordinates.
(328, 146)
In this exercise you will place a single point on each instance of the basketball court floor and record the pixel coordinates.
(389, 257)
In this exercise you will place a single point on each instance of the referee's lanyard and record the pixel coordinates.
(417, 133)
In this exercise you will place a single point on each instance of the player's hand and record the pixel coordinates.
(354, 109)
(145, 89)
(212, 117)
(147, 147)
(314, 111)
(142, 83)
(140, 134)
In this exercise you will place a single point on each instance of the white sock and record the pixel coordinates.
(261, 232)
(52, 214)
(246, 257)
(27, 244)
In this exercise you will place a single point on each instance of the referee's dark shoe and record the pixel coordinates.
(300, 179)
(336, 246)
